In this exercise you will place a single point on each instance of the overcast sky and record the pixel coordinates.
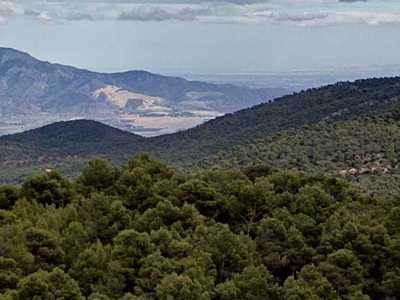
(204, 36)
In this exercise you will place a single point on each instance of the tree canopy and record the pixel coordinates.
(146, 231)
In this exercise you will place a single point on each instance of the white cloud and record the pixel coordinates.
(46, 18)
(83, 16)
(152, 13)
(2, 20)
(307, 12)
(323, 18)
(8, 8)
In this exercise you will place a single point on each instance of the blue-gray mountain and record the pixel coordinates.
(30, 87)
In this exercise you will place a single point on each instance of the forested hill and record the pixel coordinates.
(65, 146)
(146, 232)
(342, 101)
(331, 103)
(73, 137)
(366, 150)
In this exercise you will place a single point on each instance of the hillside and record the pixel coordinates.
(145, 231)
(74, 137)
(365, 147)
(330, 104)
(65, 146)
(33, 92)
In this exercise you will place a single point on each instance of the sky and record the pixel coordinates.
(183, 36)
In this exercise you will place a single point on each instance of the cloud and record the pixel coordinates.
(151, 13)
(307, 19)
(9, 8)
(31, 12)
(351, 1)
(82, 17)
(238, 2)
(2, 20)
(289, 12)
(46, 18)
(298, 17)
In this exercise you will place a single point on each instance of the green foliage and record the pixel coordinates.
(98, 175)
(48, 286)
(364, 150)
(9, 274)
(148, 232)
(50, 188)
(310, 284)
(180, 287)
(8, 196)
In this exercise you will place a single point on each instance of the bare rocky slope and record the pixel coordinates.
(29, 86)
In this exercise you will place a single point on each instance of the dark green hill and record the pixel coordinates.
(331, 103)
(365, 150)
(74, 137)
(65, 146)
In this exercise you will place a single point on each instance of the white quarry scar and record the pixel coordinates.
(120, 97)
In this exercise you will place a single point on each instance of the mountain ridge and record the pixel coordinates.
(43, 92)
(71, 138)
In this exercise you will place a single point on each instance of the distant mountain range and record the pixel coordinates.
(30, 88)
